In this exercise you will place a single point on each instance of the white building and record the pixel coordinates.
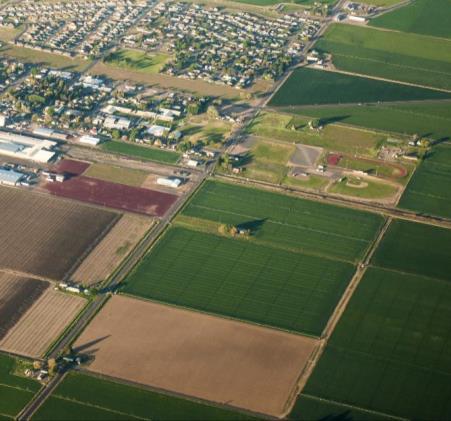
(89, 140)
(26, 147)
(10, 177)
(172, 182)
(157, 131)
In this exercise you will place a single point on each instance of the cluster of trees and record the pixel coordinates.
(233, 230)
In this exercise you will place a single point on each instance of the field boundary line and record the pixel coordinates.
(18, 388)
(318, 398)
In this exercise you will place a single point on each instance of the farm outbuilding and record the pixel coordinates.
(10, 177)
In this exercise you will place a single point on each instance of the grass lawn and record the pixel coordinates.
(142, 152)
(390, 351)
(315, 87)
(116, 174)
(241, 279)
(313, 182)
(287, 222)
(137, 60)
(213, 132)
(350, 186)
(94, 398)
(272, 125)
(15, 391)
(429, 189)
(392, 55)
(416, 248)
(8, 34)
(427, 17)
(430, 119)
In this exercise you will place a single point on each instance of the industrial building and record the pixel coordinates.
(26, 147)
(89, 140)
(10, 177)
(173, 182)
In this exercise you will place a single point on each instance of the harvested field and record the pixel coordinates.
(113, 195)
(47, 236)
(197, 355)
(71, 167)
(117, 174)
(105, 258)
(17, 295)
(42, 323)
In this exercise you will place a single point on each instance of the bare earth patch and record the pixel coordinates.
(108, 254)
(42, 323)
(199, 355)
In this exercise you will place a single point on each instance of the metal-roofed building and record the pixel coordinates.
(10, 177)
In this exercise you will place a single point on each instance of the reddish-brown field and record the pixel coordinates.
(44, 321)
(46, 236)
(71, 167)
(195, 354)
(113, 195)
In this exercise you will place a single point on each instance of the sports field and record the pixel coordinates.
(427, 17)
(429, 189)
(15, 391)
(392, 55)
(137, 60)
(430, 119)
(141, 152)
(391, 349)
(95, 398)
(315, 87)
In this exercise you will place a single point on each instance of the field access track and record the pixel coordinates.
(196, 355)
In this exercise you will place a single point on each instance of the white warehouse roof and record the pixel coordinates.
(26, 147)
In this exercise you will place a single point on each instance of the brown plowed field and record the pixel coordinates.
(46, 236)
(42, 323)
(105, 258)
(199, 355)
(17, 295)
(71, 167)
(113, 195)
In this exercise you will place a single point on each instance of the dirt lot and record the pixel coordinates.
(105, 258)
(17, 295)
(42, 323)
(46, 236)
(199, 355)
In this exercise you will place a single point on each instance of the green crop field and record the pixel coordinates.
(116, 174)
(137, 60)
(416, 248)
(289, 272)
(427, 17)
(241, 279)
(392, 55)
(289, 222)
(430, 119)
(429, 189)
(94, 398)
(141, 152)
(391, 350)
(315, 87)
(15, 391)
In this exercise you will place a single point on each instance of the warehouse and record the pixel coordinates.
(10, 177)
(27, 147)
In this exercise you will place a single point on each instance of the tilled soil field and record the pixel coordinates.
(220, 360)
(17, 295)
(105, 258)
(47, 237)
(44, 321)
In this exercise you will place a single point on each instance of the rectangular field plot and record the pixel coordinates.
(113, 195)
(44, 321)
(416, 248)
(115, 246)
(219, 360)
(391, 55)
(428, 191)
(95, 398)
(47, 236)
(315, 87)
(286, 221)
(391, 350)
(15, 391)
(240, 279)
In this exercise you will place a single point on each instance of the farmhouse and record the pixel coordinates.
(27, 147)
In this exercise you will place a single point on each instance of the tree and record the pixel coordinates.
(116, 134)
(212, 112)
(52, 366)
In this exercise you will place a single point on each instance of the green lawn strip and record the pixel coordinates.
(427, 17)
(4, 417)
(430, 119)
(313, 182)
(116, 174)
(392, 55)
(7, 378)
(416, 248)
(13, 399)
(141, 152)
(338, 232)
(428, 191)
(391, 350)
(241, 280)
(315, 87)
(310, 408)
(137, 60)
(122, 400)
(368, 190)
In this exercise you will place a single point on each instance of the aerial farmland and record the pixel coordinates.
(233, 210)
